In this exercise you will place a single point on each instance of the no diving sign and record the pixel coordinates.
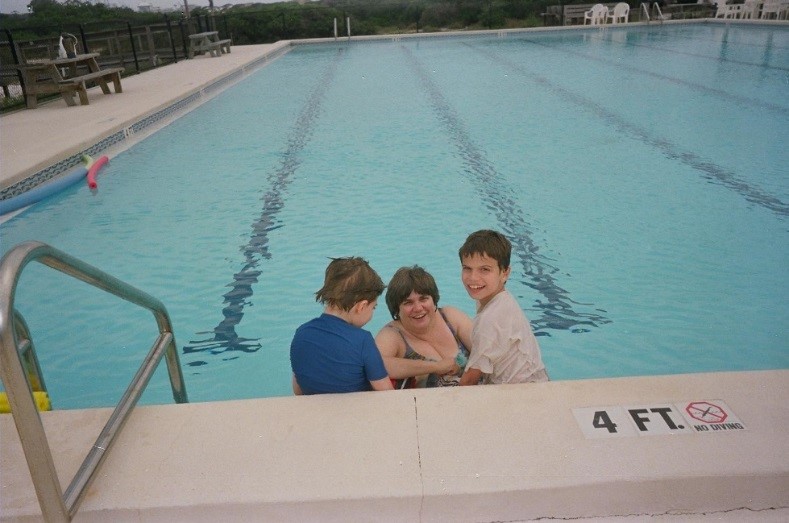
(711, 416)
(696, 416)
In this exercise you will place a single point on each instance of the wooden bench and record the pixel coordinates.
(224, 45)
(78, 84)
(212, 48)
(688, 10)
(208, 42)
(574, 13)
(8, 76)
(552, 15)
(44, 77)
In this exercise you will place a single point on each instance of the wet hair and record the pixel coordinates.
(405, 281)
(487, 243)
(349, 281)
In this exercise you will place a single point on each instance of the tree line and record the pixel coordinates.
(265, 23)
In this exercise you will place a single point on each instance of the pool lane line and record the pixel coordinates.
(708, 170)
(714, 58)
(720, 93)
(557, 309)
(605, 30)
(224, 337)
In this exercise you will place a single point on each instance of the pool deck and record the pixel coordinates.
(33, 139)
(494, 453)
(482, 454)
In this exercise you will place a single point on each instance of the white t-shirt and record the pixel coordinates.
(503, 345)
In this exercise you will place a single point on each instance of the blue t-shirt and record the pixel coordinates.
(328, 354)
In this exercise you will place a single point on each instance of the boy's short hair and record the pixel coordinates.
(488, 243)
(405, 281)
(349, 281)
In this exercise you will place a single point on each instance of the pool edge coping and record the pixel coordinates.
(414, 455)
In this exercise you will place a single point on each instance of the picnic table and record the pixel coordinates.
(208, 42)
(45, 77)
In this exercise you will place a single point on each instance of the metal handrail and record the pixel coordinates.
(659, 16)
(645, 8)
(56, 505)
(28, 353)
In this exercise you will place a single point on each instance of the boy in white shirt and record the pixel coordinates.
(503, 346)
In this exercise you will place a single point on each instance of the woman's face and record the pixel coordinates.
(417, 310)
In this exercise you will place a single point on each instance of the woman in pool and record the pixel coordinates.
(423, 342)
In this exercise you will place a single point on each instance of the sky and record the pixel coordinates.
(20, 6)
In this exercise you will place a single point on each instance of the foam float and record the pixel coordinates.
(41, 398)
(93, 171)
(47, 189)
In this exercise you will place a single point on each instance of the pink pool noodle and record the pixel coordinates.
(94, 170)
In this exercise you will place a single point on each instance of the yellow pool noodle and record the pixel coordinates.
(41, 398)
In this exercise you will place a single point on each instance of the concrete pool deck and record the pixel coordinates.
(495, 453)
(34, 139)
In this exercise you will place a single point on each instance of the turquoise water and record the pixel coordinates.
(640, 173)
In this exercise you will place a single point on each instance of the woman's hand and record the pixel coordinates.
(446, 366)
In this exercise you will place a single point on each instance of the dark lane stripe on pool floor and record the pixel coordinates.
(709, 170)
(224, 337)
(557, 309)
(719, 93)
(718, 59)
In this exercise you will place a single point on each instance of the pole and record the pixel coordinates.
(133, 47)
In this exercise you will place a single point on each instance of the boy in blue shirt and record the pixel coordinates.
(332, 353)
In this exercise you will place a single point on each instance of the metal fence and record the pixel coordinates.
(138, 48)
(118, 42)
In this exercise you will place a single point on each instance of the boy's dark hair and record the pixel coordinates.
(488, 243)
(349, 281)
(405, 281)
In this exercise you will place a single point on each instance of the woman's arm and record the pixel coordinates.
(392, 348)
(399, 368)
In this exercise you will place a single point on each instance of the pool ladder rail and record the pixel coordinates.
(657, 13)
(27, 354)
(21, 375)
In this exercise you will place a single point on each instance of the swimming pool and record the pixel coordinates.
(640, 173)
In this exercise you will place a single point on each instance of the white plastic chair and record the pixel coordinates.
(770, 8)
(596, 15)
(750, 9)
(620, 13)
(727, 10)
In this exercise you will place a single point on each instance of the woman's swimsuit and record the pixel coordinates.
(434, 380)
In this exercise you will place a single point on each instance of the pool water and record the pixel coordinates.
(640, 174)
